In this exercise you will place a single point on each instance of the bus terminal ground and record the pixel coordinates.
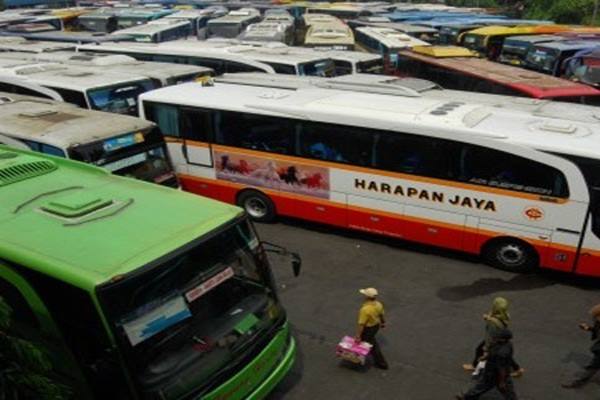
(434, 302)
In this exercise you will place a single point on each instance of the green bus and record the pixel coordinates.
(138, 291)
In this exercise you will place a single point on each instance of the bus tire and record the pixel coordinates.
(511, 254)
(258, 206)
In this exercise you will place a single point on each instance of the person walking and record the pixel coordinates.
(496, 373)
(371, 317)
(594, 366)
(497, 319)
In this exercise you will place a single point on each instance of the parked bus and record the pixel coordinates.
(343, 11)
(97, 90)
(470, 73)
(487, 41)
(449, 34)
(385, 41)
(223, 56)
(584, 67)
(269, 32)
(122, 144)
(515, 48)
(336, 36)
(486, 180)
(199, 18)
(101, 20)
(420, 32)
(354, 62)
(549, 57)
(162, 74)
(161, 30)
(232, 24)
(128, 17)
(135, 291)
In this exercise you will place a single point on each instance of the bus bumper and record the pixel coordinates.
(280, 371)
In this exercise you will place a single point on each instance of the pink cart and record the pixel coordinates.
(350, 350)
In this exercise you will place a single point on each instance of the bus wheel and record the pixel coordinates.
(512, 255)
(257, 205)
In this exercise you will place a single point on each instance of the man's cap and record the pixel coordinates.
(369, 292)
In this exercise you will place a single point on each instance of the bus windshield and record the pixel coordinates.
(325, 68)
(121, 99)
(543, 59)
(475, 42)
(187, 322)
(370, 67)
(225, 30)
(140, 155)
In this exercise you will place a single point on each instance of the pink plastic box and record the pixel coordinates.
(355, 352)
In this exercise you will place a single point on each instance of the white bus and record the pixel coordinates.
(335, 36)
(183, 52)
(509, 184)
(161, 30)
(162, 74)
(97, 90)
(232, 24)
(199, 18)
(385, 41)
(269, 32)
(225, 56)
(124, 145)
(352, 62)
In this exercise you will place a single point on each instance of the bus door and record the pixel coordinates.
(587, 259)
(30, 321)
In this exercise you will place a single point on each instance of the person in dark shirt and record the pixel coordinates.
(594, 366)
(496, 374)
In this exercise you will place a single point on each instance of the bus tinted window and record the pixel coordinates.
(11, 88)
(336, 143)
(257, 132)
(195, 124)
(282, 68)
(342, 67)
(231, 66)
(484, 166)
(412, 155)
(165, 116)
(71, 96)
(23, 320)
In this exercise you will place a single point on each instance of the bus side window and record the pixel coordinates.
(337, 143)
(23, 321)
(196, 124)
(71, 96)
(256, 132)
(165, 116)
(231, 66)
(412, 155)
(484, 166)
(52, 150)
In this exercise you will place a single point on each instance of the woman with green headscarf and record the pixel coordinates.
(496, 320)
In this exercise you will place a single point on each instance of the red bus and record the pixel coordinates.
(459, 69)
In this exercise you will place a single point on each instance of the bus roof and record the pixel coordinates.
(14, 43)
(61, 124)
(530, 83)
(237, 16)
(152, 27)
(415, 114)
(63, 76)
(532, 39)
(392, 38)
(496, 30)
(444, 51)
(569, 45)
(131, 229)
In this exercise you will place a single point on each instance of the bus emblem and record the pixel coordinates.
(534, 213)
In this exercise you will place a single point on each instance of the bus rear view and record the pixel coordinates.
(174, 298)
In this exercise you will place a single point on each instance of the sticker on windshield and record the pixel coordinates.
(157, 320)
(122, 141)
(210, 284)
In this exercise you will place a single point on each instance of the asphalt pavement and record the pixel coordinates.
(434, 303)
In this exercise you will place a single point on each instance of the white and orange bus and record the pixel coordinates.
(512, 185)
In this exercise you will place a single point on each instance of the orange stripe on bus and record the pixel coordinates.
(397, 175)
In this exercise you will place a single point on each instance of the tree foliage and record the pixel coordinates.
(25, 370)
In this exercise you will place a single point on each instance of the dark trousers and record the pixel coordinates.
(479, 353)
(488, 382)
(368, 335)
(589, 371)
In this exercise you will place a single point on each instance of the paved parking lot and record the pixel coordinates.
(434, 301)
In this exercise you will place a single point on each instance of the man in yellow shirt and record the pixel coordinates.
(370, 319)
